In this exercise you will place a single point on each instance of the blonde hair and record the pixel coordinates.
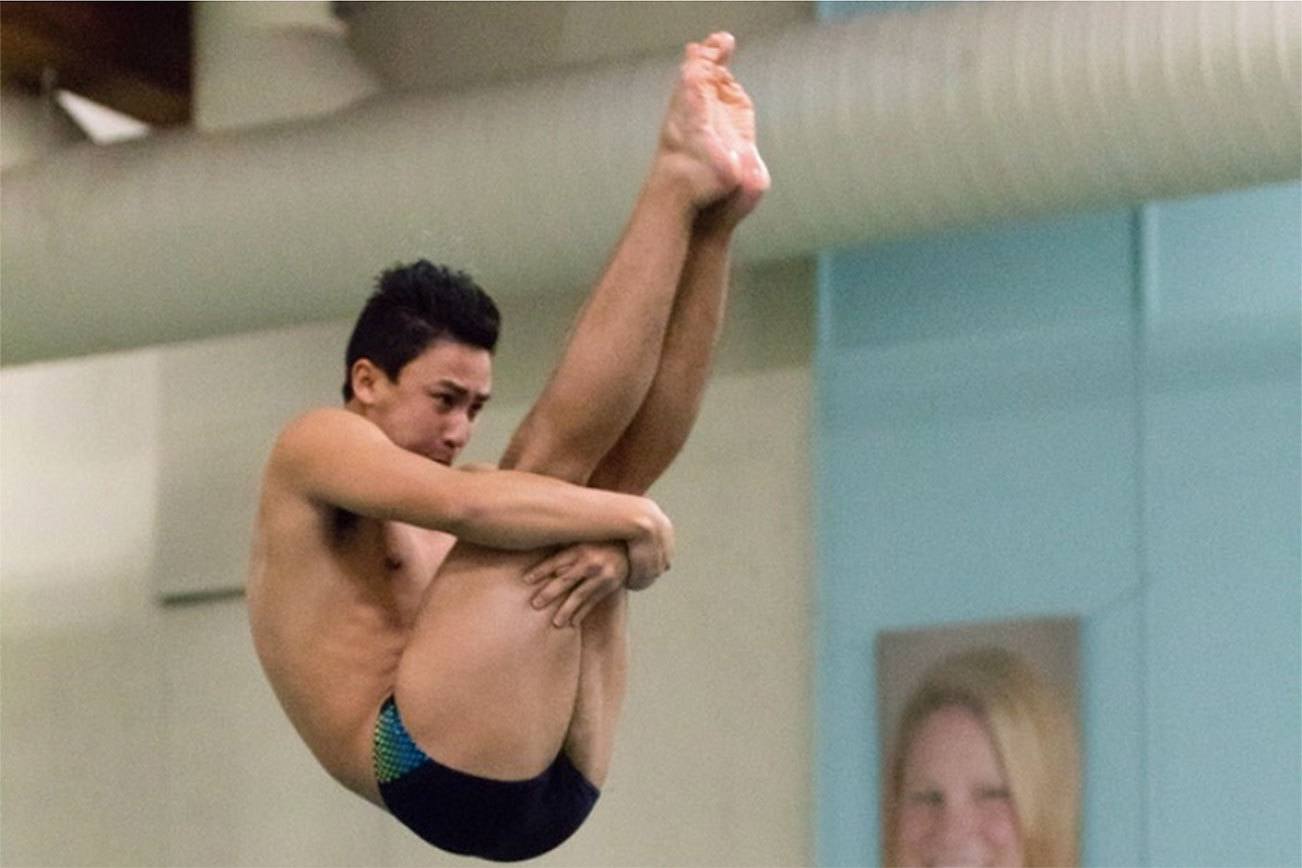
(1032, 732)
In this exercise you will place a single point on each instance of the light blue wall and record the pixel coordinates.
(1220, 472)
(1094, 415)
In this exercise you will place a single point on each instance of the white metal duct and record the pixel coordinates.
(874, 128)
(261, 62)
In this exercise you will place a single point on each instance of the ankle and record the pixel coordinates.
(682, 182)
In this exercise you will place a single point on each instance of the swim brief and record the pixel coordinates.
(505, 821)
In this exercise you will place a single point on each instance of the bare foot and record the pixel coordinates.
(708, 137)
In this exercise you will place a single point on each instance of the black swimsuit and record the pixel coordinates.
(500, 820)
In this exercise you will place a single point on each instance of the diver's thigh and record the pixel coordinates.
(603, 682)
(486, 684)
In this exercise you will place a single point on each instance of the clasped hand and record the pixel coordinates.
(579, 577)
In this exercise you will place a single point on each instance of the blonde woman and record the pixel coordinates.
(985, 769)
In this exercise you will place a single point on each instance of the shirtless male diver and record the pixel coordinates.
(451, 644)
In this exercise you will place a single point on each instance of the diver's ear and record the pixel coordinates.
(367, 379)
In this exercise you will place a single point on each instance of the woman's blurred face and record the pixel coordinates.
(955, 806)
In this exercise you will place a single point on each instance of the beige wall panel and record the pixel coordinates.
(82, 720)
(152, 726)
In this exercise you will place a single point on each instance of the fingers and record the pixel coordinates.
(581, 592)
(588, 606)
(553, 565)
(646, 558)
(638, 583)
(576, 579)
(578, 601)
(561, 582)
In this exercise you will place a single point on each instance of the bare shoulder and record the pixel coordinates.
(319, 426)
(324, 432)
(305, 441)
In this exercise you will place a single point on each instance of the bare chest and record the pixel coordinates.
(405, 558)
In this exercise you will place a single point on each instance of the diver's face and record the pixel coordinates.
(432, 407)
(955, 806)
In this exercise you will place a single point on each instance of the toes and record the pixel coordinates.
(717, 49)
(721, 45)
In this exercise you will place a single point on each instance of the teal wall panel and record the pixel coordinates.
(1095, 415)
(1099, 415)
(977, 460)
(1112, 735)
(1224, 604)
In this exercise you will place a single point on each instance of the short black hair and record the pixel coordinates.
(413, 306)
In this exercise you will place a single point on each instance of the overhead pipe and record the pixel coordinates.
(873, 128)
(258, 62)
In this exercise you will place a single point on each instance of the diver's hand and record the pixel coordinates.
(578, 577)
(651, 549)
